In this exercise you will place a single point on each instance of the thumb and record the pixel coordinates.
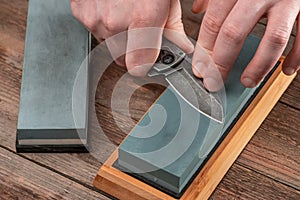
(174, 28)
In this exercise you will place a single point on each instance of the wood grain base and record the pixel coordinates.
(123, 186)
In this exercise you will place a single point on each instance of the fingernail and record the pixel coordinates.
(248, 82)
(289, 71)
(212, 85)
(139, 71)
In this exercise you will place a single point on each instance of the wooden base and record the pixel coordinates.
(123, 186)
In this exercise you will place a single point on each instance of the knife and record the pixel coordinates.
(173, 63)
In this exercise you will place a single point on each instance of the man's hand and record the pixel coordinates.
(225, 27)
(106, 18)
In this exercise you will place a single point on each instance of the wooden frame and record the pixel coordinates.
(123, 186)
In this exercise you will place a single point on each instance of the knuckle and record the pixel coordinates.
(148, 17)
(143, 19)
(232, 33)
(90, 23)
(108, 23)
(76, 6)
(211, 24)
(278, 36)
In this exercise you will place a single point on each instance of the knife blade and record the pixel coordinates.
(173, 63)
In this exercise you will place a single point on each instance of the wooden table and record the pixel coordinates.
(268, 168)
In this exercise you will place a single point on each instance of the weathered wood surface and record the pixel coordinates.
(23, 179)
(268, 167)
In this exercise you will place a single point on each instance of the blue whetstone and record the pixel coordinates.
(56, 46)
(168, 149)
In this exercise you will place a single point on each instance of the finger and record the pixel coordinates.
(292, 61)
(86, 12)
(117, 47)
(216, 14)
(201, 60)
(199, 6)
(121, 61)
(145, 37)
(280, 23)
(143, 46)
(233, 33)
(214, 17)
(174, 28)
(230, 41)
(77, 6)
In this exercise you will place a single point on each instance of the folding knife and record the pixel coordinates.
(172, 63)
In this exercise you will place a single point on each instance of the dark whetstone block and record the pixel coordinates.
(173, 140)
(56, 46)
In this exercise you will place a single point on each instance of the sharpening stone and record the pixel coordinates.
(148, 155)
(56, 46)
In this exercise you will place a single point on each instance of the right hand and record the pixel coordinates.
(107, 18)
(226, 25)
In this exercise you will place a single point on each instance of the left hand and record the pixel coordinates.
(226, 25)
(133, 29)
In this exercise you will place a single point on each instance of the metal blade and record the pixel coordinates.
(194, 93)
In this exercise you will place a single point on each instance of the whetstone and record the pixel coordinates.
(124, 185)
(56, 47)
(187, 136)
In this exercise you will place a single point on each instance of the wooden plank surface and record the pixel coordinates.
(243, 183)
(271, 159)
(23, 179)
(281, 159)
